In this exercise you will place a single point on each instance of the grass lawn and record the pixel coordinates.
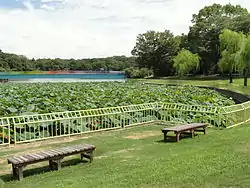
(138, 157)
(237, 84)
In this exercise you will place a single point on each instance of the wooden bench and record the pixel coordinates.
(185, 129)
(54, 157)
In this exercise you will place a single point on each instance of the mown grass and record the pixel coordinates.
(138, 157)
(237, 84)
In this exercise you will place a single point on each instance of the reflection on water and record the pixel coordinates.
(44, 80)
(32, 78)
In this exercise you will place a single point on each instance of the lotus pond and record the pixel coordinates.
(21, 99)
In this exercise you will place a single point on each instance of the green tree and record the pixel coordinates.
(13, 62)
(242, 24)
(185, 62)
(203, 36)
(133, 72)
(243, 58)
(230, 45)
(155, 50)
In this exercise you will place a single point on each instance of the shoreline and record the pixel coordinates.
(65, 80)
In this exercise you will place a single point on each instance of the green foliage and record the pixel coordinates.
(17, 99)
(203, 36)
(230, 44)
(243, 58)
(230, 40)
(244, 54)
(12, 62)
(27, 99)
(138, 73)
(185, 62)
(4, 135)
(155, 50)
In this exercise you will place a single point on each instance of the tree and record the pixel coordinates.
(230, 45)
(243, 58)
(15, 62)
(185, 62)
(155, 50)
(203, 36)
(133, 72)
(183, 41)
(242, 24)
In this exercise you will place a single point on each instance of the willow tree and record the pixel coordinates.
(230, 45)
(243, 58)
(185, 62)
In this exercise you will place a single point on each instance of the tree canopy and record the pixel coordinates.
(204, 33)
(185, 62)
(155, 50)
(230, 44)
(12, 62)
(243, 58)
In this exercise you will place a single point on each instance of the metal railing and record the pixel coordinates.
(20, 129)
(45, 126)
(5, 135)
(181, 113)
(235, 115)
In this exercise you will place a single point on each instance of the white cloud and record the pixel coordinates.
(92, 28)
(47, 7)
(28, 5)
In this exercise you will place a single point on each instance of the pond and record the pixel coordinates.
(63, 77)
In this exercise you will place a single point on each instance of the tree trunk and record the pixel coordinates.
(245, 77)
(231, 77)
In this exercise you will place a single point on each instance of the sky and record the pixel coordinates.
(90, 28)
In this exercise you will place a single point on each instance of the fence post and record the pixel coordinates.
(14, 129)
(245, 112)
(220, 111)
(8, 122)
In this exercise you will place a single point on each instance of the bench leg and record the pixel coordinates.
(55, 164)
(204, 130)
(18, 172)
(88, 155)
(91, 157)
(14, 170)
(165, 136)
(177, 137)
(58, 164)
(51, 165)
(192, 133)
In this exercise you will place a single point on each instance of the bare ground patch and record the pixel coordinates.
(100, 157)
(125, 150)
(44, 143)
(144, 134)
(2, 161)
(5, 169)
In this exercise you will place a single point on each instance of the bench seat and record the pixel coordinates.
(185, 128)
(54, 157)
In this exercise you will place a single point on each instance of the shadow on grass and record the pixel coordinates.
(1, 183)
(172, 139)
(200, 77)
(40, 170)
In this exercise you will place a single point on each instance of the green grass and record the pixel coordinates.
(219, 159)
(237, 84)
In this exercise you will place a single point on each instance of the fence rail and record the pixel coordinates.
(20, 129)
(4, 131)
